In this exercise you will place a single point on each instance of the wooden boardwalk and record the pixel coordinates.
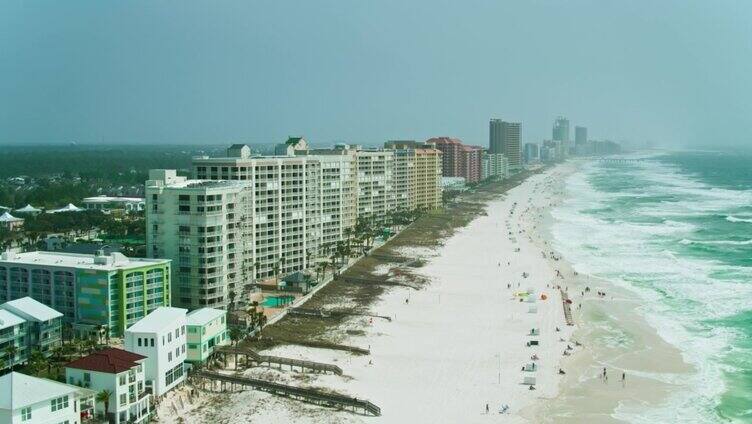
(567, 307)
(321, 313)
(268, 360)
(314, 396)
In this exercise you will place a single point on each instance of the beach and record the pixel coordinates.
(454, 350)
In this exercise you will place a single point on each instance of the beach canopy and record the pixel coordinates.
(530, 381)
(70, 207)
(28, 209)
(7, 217)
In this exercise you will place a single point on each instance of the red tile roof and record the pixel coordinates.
(109, 360)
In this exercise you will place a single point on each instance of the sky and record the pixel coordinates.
(365, 71)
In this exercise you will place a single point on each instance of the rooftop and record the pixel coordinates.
(31, 308)
(110, 262)
(106, 199)
(111, 360)
(204, 316)
(20, 390)
(9, 319)
(158, 320)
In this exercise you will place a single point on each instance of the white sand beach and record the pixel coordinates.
(453, 347)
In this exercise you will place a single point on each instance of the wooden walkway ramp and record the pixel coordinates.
(567, 307)
(331, 313)
(314, 396)
(260, 360)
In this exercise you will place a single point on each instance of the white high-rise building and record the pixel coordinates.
(202, 226)
(284, 206)
(375, 183)
(339, 192)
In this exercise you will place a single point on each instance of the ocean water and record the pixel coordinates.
(676, 228)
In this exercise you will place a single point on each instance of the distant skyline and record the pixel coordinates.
(671, 72)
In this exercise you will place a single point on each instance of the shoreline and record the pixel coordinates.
(458, 342)
(618, 337)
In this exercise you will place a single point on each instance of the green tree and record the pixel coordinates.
(10, 354)
(104, 397)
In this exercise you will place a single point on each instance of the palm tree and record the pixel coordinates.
(231, 295)
(236, 335)
(37, 362)
(104, 397)
(10, 352)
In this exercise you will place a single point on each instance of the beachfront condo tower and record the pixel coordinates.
(284, 207)
(202, 227)
(506, 138)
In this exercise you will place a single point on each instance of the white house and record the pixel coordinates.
(119, 372)
(30, 400)
(160, 336)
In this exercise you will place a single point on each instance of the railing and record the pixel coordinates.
(305, 394)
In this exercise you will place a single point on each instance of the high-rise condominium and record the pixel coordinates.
(506, 138)
(580, 136)
(417, 175)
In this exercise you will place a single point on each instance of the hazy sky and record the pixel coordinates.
(365, 71)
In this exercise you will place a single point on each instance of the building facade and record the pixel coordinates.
(339, 192)
(93, 292)
(458, 160)
(560, 132)
(203, 227)
(43, 327)
(531, 152)
(122, 374)
(30, 400)
(375, 183)
(494, 165)
(284, 207)
(161, 338)
(580, 136)
(427, 187)
(207, 330)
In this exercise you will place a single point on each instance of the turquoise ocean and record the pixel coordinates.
(676, 229)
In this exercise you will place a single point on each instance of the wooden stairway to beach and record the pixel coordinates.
(252, 356)
(314, 396)
(567, 307)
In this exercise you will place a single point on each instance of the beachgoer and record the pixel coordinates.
(623, 379)
(486, 408)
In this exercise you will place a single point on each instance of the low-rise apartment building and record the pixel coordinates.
(43, 326)
(207, 329)
(161, 338)
(119, 372)
(30, 400)
(96, 293)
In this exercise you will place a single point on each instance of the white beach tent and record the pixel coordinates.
(7, 217)
(530, 381)
(28, 209)
(70, 207)
(532, 309)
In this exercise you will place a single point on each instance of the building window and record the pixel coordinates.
(122, 379)
(139, 342)
(152, 342)
(59, 403)
(123, 399)
(26, 414)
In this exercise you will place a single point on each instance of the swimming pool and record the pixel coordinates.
(277, 301)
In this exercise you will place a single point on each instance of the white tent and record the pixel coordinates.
(532, 309)
(28, 209)
(7, 217)
(530, 381)
(70, 207)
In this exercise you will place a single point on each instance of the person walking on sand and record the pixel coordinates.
(623, 379)
(486, 408)
(605, 376)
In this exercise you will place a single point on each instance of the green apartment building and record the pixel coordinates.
(207, 329)
(102, 294)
